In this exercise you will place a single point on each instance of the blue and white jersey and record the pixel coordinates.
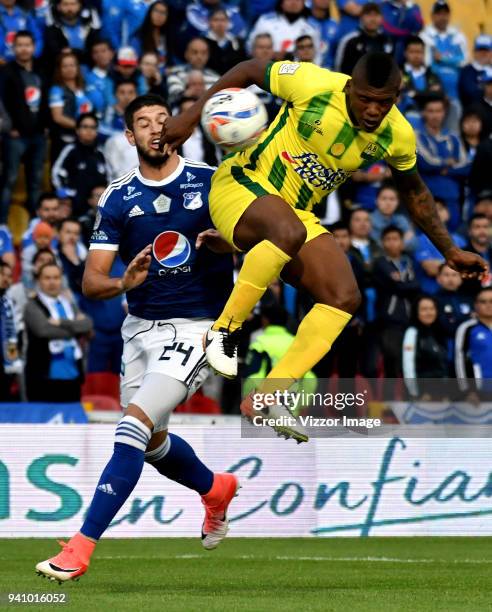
(182, 282)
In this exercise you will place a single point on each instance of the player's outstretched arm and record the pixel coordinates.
(212, 239)
(97, 284)
(422, 209)
(178, 129)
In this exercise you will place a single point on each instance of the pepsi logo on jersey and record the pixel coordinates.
(171, 249)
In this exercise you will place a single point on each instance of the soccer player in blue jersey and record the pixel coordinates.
(157, 218)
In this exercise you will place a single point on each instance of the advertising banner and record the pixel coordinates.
(328, 487)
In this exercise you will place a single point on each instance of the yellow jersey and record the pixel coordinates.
(312, 146)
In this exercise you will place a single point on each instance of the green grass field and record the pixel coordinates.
(259, 575)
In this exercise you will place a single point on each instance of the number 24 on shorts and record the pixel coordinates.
(177, 347)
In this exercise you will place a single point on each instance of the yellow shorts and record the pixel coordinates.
(234, 188)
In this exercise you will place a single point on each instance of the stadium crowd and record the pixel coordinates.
(69, 68)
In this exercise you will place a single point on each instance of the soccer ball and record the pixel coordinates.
(234, 118)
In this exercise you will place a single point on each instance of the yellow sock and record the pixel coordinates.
(261, 266)
(315, 335)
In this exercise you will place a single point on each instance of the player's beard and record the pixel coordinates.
(156, 161)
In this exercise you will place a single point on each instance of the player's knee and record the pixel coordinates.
(134, 411)
(289, 237)
(349, 299)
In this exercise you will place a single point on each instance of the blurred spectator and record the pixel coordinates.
(424, 350)
(198, 15)
(24, 95)
(196, 56)
(442, 158)
(483, 205)
(367, 182)
(44, 237)
(327, 29)
(396, 286)
(268, 347)
(20, 292)
(126, 69)
(7, 253)
(469, 84)
(419, 81)
(10, 362)
(68, 100)
(120, 156)
(483, 108)
(197, 147)
(88, 219)
(473, 347)
(285, 25)
(401, 19)
(426, 256)
(73, 28)
(113, 121)
(446, 50)
(454, 307)
(480, 175)
(81, 165)
(71, 253)
(13, 19)
(5, 127)
(106, 346)
(53, 370)
(304, 50)
(350, 12)
(48, 210)
(262, 49)
(471, 129)
(155, 35)
(368, 37)
(479, 241)
(99, 85)
(154, 80)
(387, 202)
(226, 50)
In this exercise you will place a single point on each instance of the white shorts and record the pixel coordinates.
(172, 347)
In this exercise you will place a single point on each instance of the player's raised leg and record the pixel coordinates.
(272, 234)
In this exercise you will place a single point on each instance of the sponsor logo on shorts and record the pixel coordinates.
(309, 168)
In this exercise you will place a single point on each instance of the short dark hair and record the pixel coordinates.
(414, 40)
(46, 195)
(338, 226)
(388, 185)
(101, 41)
(125, 82)
(142, 101)
(370, 7)
(483, 290)
(40, 252)
(391, 229)
(69, 220)
(303, 37)
(48, 264)
(377, 69)
(4, 264)
(24, 34)
(475, 217)
(431, 98)
(84, 116)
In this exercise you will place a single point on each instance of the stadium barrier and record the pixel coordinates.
(328, 487)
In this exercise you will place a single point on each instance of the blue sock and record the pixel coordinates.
(119, 477)
(177, 460)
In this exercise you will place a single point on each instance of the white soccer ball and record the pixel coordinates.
(234, 118)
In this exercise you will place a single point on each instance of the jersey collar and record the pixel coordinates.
(167, 180)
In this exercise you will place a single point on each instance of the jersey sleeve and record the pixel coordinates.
(56, 96)
(107, 225)
(297, 81)
(404, 156)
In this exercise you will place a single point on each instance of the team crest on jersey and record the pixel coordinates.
(313, 172)
(372, 152)
(97, 220)
(192, 200)
(171, 249)
(162, 204)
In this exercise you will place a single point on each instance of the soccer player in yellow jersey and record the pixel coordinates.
(261, 198)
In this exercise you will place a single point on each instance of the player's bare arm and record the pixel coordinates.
(213, 240)
(97, 284)
(421, 207)
(179, 128)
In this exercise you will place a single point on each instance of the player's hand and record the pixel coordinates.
(176, 130)
(212, 239)
(469, 265)
(137, 270)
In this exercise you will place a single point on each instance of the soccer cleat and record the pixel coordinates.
(221, 351)
(66, 565)
(287, 425)
(216, 524)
